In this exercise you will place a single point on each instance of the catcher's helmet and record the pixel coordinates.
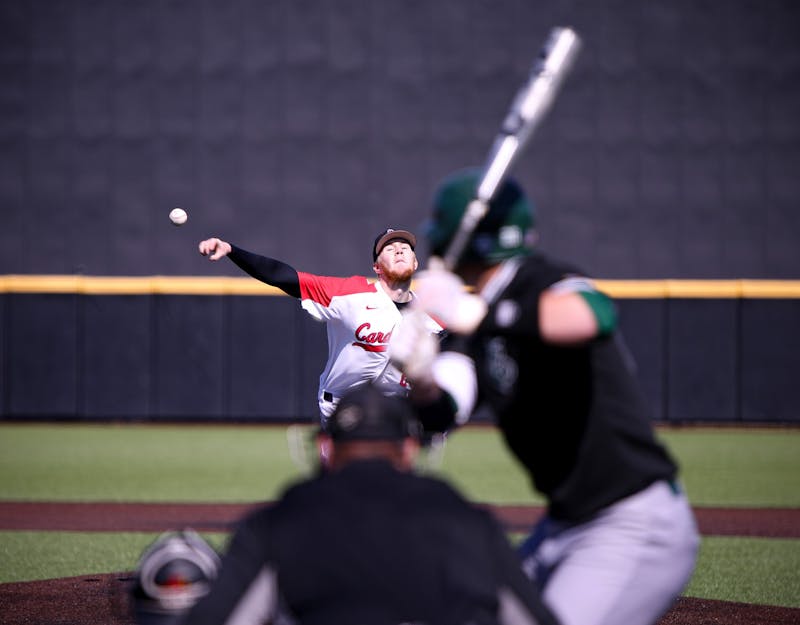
(506, 230)
(366, 414)
(172, 575)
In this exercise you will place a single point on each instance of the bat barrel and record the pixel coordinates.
(528, 108)
(557, 58)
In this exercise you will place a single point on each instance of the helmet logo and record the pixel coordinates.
(509, 236)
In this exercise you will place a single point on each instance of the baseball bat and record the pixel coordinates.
(527, 110)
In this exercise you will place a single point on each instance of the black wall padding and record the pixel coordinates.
(770, 347)
(262, 357)
(703, 359)
(642, 325)
(43, 355)
(117, 356)
(189, 360)
(301, 129)
(245, 358)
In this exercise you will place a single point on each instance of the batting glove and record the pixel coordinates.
(442, 295)
(413, 347)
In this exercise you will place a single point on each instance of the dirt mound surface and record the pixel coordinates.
(104, 599)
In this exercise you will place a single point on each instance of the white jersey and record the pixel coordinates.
(360, 318)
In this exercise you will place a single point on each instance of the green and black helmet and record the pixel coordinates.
(506, 230)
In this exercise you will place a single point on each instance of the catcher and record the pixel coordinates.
(367, 540)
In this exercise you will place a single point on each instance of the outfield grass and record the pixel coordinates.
(719, 467)
(72, 462)
(738, 467)
(82, 462)
(77, 462)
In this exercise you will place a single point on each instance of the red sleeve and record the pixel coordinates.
(322, 289)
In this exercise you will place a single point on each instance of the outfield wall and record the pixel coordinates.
(302, 129)
(157, 348)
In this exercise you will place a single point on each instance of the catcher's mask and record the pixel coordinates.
(172, 575)
(506, 230)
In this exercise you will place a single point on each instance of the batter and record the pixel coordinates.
(619, 541)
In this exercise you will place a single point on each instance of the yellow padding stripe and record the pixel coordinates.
(205, 285)
(135, 285)
(711, 289)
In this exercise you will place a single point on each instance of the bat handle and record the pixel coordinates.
(476, 209)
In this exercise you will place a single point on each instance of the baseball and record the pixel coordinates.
(178, 216)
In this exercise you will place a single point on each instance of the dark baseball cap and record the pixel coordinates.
(366, 414)
(390, 234)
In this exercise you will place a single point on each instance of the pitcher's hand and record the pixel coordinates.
(214, 248)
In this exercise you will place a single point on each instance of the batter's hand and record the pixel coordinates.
(214, 248)
(442, 295)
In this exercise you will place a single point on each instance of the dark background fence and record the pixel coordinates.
(300, 129)
(200, 357)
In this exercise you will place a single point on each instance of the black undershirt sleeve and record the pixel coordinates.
(267, 270)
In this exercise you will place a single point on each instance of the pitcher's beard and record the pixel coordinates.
(394, 276)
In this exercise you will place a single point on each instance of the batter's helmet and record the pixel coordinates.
(506, 230)
(173, 574)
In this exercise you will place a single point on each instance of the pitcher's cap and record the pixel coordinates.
(389, 235)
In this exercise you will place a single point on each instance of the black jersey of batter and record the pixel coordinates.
(371, 545)
(573, 416)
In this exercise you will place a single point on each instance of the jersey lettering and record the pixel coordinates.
(372, 341)
(501, 367)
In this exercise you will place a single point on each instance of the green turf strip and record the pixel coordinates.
(28, 556)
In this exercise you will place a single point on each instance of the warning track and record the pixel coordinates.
(158, 517)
